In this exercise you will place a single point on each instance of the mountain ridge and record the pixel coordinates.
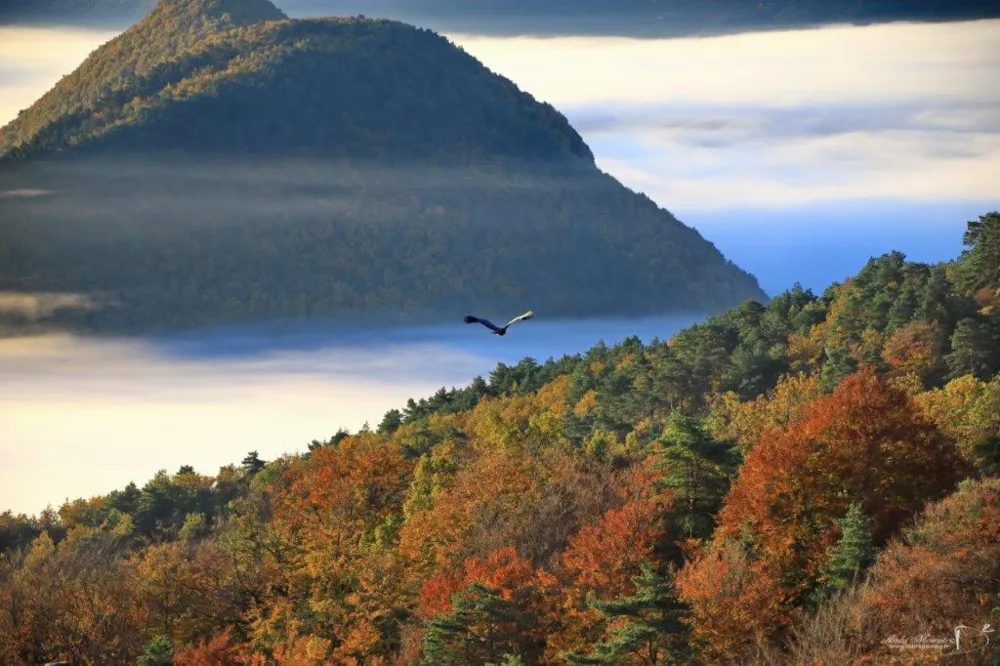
(314, 142)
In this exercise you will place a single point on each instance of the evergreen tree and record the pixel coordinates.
(973, 350)
(853, 553)
(482, 627)
(697, 469)
(646, 628)
(837, 365)
(904, 307)
(980, 264)
(252, 463)
(159, 652)
(935, 301)
(390, 422)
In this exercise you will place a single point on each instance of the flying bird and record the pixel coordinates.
(498, 330)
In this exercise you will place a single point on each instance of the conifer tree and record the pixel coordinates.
(482, 628)
(645, 628)
(853, 553)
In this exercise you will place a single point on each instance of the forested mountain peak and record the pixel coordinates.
(117, 69)
(227, 13)
(225, 76)
(373, 152)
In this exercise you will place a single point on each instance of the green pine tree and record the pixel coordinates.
(837, 365)
(904, 307)
(697, 468)
(852, 554)
(482, 628)
(646, 628)
(974, 349)
(159, 652)
(980, 264)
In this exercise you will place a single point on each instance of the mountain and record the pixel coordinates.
(219, 163)
(516, 17)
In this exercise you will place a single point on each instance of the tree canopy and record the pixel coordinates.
(771, 485)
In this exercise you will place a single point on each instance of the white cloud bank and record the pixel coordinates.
(904, 111)
(80, 417)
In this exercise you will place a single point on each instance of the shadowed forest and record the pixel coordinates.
(796, 482)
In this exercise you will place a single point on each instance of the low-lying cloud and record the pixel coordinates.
(902, 111)
(34, 59)
(82, 417)
(34, 307)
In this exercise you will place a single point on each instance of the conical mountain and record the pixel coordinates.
(231, 75)
(220, 162)
(122, 65)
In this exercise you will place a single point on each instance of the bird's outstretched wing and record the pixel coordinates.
(469, 319)
(527, 315)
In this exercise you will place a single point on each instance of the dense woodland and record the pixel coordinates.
(188, 160)
(793, 482)
(365, 243)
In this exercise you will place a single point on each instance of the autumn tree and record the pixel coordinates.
(339, 511)
(216, 650)
(78, 599)
(601, 560)
(968, 410)
(916, 349)
(745, 422)
(865, 443)
(737, 601)
(939, 574)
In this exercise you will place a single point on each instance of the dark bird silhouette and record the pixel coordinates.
(498, 330)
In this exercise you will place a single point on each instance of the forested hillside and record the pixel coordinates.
(794, 482)
(217, 163)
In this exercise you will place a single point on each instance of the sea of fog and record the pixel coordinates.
(83, 416)
(799, 154)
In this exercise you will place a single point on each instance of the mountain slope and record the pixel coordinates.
(554, 483)
(273, 168)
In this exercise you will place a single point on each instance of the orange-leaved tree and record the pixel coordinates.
(866, 443)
